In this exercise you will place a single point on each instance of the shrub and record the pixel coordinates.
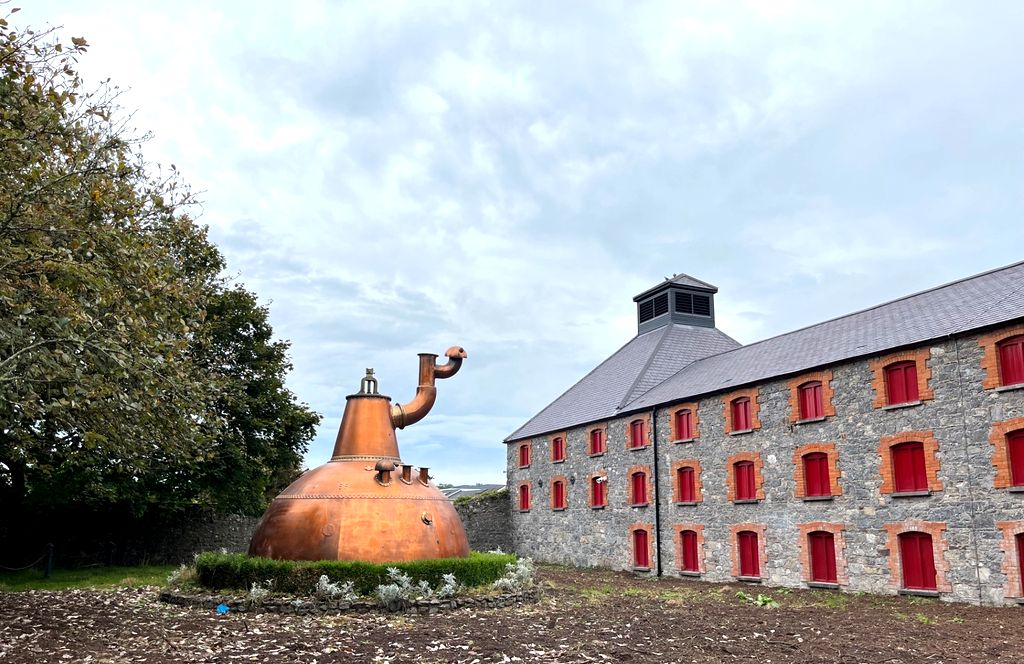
(518, 576)
(238, 571)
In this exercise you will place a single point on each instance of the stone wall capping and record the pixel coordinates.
(898, 406)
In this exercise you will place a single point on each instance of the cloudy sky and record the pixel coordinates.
(395, 178)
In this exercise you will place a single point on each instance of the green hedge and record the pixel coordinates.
(238, 571)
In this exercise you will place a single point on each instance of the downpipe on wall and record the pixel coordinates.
(657, 492)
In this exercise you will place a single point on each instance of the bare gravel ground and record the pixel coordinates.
(585, 616)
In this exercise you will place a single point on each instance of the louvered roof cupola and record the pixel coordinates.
(679, 299)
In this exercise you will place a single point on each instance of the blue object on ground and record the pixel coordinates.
(223, 608)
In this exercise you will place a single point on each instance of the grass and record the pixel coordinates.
(86, 577)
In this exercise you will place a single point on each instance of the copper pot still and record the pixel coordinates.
(365, 503)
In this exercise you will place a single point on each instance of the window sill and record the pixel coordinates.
(639, 504)
(637, 449)
(595, 454)
(597, 507)
(816, 499)
(687, 572)
(905, 404)
(524, 467)
(1015, 489)
(686, 503)
(911, 494)
(641, 569)
(918, 592)
(741, 432)
(824, 585)
(526, 511)
(750, 579)
(685, 440)
(811, 420)
(558, 461)
(1010, 388)
(557, 509)
(1019, 600)
(747, 501)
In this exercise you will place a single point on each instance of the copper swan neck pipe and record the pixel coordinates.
(402, 415)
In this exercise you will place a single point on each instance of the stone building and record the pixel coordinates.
(882, 451)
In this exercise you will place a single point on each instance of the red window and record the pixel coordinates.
(641, 552)
(597, 441)
(908, 469)
(524, 456)
(1015, 455)
(687, 485)
(558, 449)
(811, 401)
(901, 382)
(743, 472)
(598, 491)
(816, 479)
(688, 541)
(684, 424)
(823, 556)
(1011, 360)
(918, 561)
(524, 497)
(638, 488)
(1020, 560)
(558, 495)
(746, 544)
(741, 414)
(636, 434)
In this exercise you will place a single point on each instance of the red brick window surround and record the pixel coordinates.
(908, 468)
(1012, 545)
(558, 448)
(913, 564)
(640, 487)
(823, 553)
(810, 396)
(1007, 438)
(1003, 359)
(897, 363)
(638, 432)
(524, 455)
(689, 545)
(686, 484)
(598, 490)
(741, 404)
(559, 493)
(747, 542)
(524, 496)
(597, 439)
(744, 467)
(641, 537)
(819, 484)
(683, 420)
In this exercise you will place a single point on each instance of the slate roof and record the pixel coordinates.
(648, 359)
(684, 280)
(985, 299)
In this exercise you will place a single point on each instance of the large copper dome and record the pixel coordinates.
(365, 503)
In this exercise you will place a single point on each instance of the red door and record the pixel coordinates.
(918, 561)
(1011, 361)
(689, 545)
(816, 480)
(823, 557)
(1020, 561)
(1015, 452)
(559, 498)
(908, 467)
(687, 487)
(746, 542)
(745, 489)
(641, 555)
(810, 401)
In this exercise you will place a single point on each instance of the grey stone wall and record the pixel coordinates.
(488, 521)
(960, 415)
(211, 532)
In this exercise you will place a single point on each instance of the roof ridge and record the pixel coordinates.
(568, 389)
(699, 281)
(647, 365)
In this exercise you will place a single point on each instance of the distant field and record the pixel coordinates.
(85, 577)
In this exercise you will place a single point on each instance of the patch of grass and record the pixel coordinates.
(956, 619)
(86, 577)
(598, 594)
(923, 619)
(634, 592)
(917, 600)
(834, 600)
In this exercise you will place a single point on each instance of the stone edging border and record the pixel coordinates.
(306, 606)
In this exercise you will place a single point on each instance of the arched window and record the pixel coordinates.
(749, 555)
(598, 491)
(908, 468)
(524, 497)
(597, 442)
(686, 485)
(636, 434)
(683, 424)
(638, 488)
(641, 549)
(558, 495)
(917, 561)
(901, 382)
(558, 449)
(740, 409)
(822, 548)
(688, 549)
(816, 477)
(524, 455)
(810, 397)
(1011, 360)
(1015, 456)
(743, 475)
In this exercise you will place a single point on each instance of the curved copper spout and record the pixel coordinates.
(402, 415)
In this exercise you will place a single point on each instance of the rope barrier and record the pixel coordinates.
(31, 564)
(47, 555)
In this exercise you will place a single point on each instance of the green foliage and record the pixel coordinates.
(764, 601)
(490, 494)
(219, 571)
